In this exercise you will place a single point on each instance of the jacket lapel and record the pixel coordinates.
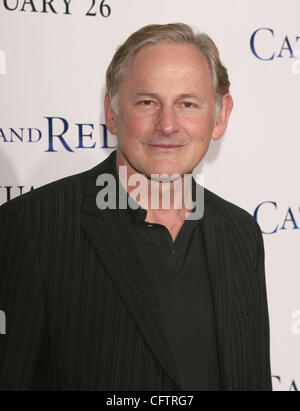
(116, 248)
(220, 270)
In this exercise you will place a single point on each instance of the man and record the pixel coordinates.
(140, 297)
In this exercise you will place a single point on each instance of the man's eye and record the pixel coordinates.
(188, 104)
(146, 102)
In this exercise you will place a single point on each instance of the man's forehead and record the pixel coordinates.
(158, 67)
(165, 59)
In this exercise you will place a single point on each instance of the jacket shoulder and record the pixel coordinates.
(70, 189)
(234, 218)
(54, 192)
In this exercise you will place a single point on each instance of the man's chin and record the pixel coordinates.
(154, 169)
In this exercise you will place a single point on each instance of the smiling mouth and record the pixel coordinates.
(165, 146)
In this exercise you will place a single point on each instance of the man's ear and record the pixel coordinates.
(110, 117)
(222, 120)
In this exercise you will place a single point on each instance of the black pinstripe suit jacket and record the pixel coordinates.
(78, 317)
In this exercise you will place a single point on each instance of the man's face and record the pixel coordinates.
(166, 110)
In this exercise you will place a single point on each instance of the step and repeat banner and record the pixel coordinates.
(53, 58)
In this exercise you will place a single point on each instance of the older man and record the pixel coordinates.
(139, 297)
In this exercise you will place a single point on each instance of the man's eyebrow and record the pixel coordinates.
(154, 95)
(144, 93)
(188, 95)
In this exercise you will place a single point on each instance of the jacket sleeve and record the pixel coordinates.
(21, 302)
(260, 337)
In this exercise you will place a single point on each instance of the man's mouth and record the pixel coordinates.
(166, 147)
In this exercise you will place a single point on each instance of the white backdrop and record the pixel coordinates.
(52, 66)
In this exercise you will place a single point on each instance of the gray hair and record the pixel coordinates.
(176, 33)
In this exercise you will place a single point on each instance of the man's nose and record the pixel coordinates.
(167, 122)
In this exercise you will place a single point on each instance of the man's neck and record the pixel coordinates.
(168, 201)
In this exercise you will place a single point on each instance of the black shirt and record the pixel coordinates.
(180, 279)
